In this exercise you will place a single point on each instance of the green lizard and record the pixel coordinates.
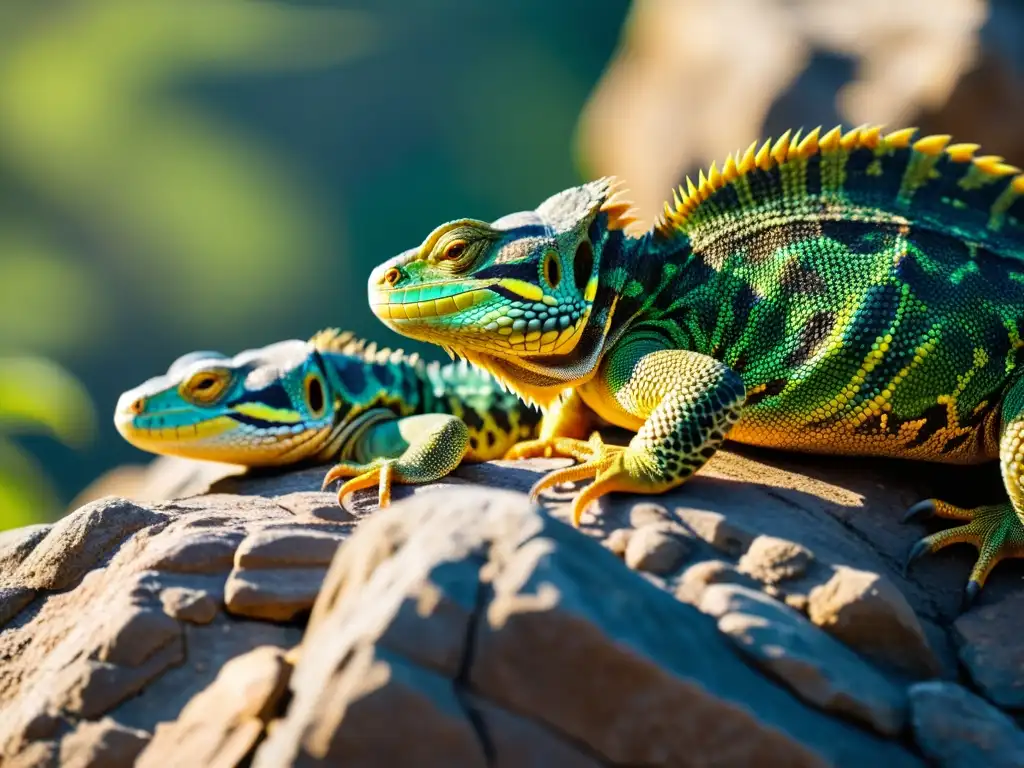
(850, 293)
(386, 416)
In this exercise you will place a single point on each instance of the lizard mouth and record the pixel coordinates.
(426, 301)
(492, 319)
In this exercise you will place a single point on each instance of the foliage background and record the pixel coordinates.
(220, 175)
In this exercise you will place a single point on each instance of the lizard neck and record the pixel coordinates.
(649, 279)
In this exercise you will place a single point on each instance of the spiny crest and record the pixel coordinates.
(338, 342)
(790, 147)
(621, 211)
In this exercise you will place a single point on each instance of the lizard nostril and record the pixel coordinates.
(392, 276)
(137, 406)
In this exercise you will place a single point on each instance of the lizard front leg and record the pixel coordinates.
(688, 403)
(562, 430)
(996, 530)
(415, 449)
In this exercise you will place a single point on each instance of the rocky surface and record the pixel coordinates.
(762, 609)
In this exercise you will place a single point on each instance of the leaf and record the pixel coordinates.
(26, 496)
(37, 395)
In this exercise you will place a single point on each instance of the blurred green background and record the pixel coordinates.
(220, 175)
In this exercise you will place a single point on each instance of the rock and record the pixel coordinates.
(12, 600)
(618, 540)
(716, 529)
(276, 594)
(648, 513)
(16, 544)
(207, 551)
(220, 725)
(77, 542)
(772, 560)
(459, 591)
(867, 613)
(189, 604)
(102, 744)
(819, 669)
(99, 640)
(957, 729)
(697, 577)
(275, 548)
(323, 506)
(658, 549)
(990, 645)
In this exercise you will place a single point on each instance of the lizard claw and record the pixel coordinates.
(377, 473)
(920, 511)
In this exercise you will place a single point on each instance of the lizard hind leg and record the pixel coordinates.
(996, 530)
(688, 402)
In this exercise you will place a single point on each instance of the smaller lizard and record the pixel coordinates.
(385, 416)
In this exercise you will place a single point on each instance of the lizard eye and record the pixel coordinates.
(204, 387)
(315, 400)
(453, 250)
(552, 269)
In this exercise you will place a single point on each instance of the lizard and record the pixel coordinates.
(846, 292)
(384, 415)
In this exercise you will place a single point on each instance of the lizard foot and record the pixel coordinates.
(378, 472)
(613, 468)
(995, 530)
(546, 448)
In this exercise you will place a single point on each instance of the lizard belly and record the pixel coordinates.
(930, 437)
(598, 397)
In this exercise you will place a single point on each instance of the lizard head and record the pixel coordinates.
(262, 407)
(516, 296)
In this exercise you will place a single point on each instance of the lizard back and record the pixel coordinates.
(868, 289)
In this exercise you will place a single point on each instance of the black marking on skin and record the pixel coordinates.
(872, 425)
(935, 420)
(797, 279)
(491, 439)
(865, 240)
(812, 335)
(352, 375)
(273, 395)
(955, 442)
(501, 420)
(763, 246)
(771, 389)
(384, 375)
(252, 421)
(472, 419)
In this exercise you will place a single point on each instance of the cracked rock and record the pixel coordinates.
(221, 725)
(957, 729)
(866, 612)
(191, 605)
(990, 646)
(272, 594)
(772, 560)
(657, 548)
(697, 577)
(102, 744)
(13, 600)
(316, 504)
(618, 540)
(716, 529)
(288, 548)
(78, 541)
(610, 668)
(819, 669)
(645, 513)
